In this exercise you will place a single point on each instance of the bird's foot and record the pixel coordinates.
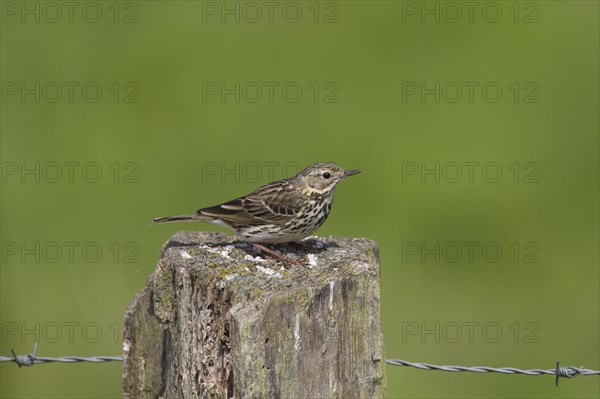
(277, 255)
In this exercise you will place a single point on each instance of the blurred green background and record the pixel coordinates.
(367, 72)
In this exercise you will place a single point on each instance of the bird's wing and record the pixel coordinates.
(272, 204)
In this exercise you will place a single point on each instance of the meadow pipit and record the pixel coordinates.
(283, 211)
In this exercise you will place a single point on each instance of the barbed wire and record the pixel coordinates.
(559, 371)
(31, 358)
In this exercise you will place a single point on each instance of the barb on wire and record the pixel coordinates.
(567, 372)
(31, 359)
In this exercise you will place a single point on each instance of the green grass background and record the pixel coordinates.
(368, 53)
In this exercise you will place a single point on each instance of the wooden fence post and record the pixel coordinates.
(215, 321)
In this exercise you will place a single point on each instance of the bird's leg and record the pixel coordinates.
(276, 255)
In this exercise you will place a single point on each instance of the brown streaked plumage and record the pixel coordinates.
(283, 211)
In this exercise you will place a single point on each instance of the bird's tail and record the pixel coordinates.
(182, 218)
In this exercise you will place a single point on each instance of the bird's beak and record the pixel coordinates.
(351, 172)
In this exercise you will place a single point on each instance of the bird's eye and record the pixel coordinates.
(326, 175)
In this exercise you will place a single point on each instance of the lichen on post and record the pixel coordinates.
(235, 325)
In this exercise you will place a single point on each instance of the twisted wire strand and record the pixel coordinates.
(29, 360)
(568, 372)
(559, 371)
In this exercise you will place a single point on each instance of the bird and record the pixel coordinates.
(283, 211)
